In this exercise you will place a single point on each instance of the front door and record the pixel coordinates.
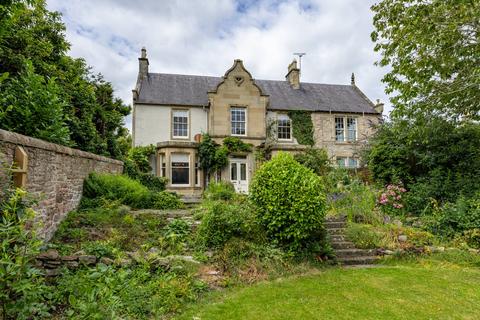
(239, 175)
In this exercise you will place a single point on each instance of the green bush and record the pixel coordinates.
(166, 200)
(125, 190)
(472, 237)
(23, 292)
(315, 159)
(457, 217)
(357, 201)
(364, 236)
(290, 201)
(127, 293)
(137, 166)
(222, 221)
(432, 157)
(219, 191)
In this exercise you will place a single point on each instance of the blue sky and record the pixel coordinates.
(204, 37)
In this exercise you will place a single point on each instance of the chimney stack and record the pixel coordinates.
(143, 64)
(379, 106)
(293, 75)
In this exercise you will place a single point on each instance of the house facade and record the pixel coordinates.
(171, 111)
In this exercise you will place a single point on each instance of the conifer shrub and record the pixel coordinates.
(290, 201)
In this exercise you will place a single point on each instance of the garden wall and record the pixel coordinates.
(54, 174)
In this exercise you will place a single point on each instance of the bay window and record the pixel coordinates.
(180, 166)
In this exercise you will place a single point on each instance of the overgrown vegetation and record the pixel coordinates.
(315, 159)
(137, 166)
(214, 157)
(430, 146)
(23, 292)
(124, 190)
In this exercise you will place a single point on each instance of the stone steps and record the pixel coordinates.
(346, 252)
(355, 261)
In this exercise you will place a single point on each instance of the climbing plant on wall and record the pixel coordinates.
(302, 126)
(213, 156)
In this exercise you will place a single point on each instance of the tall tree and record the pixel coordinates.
(33, 44)
(433, 49)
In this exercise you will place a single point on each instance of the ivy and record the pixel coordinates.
(214, 157)
(302, 126)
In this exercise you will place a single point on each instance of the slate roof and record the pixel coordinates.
(175, 89)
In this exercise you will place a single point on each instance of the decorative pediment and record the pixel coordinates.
(239, 76)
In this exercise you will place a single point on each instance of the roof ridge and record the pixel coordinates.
(219, 77)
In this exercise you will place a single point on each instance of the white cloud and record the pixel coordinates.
(204, 37)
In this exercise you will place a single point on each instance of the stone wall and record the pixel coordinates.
(55, 175)
(324, 133)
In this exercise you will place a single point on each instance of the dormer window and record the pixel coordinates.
(238, 121)
(284, 127)
(180, 124)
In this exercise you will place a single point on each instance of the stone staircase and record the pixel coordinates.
(345, 251)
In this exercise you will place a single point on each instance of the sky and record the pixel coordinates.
(204, 37)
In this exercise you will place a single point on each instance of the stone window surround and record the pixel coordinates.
(235, 106)
(172, 137)
(181, 185)
(345, 128)
(291, 133)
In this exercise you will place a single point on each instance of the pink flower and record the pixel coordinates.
(399, 197)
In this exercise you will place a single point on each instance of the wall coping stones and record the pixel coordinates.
(20, 139)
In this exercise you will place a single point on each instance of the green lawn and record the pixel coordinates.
(390, 292)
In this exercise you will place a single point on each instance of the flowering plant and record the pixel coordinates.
(391, 200)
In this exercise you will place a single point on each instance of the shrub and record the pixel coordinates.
(219, 191)
(105, 292)
(472, 237)
(391, 200)
(166, 200)
(364, 236)
(315, 159)
(22, 288)
(290, 201)
(222, 221)
(125, 190)
(358, 202)
(137, 166)
(457, 217)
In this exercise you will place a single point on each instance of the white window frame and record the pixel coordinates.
(197, 172)
(345, 129)
(244, 109)
(163, 165)
(283, 117)
(183, 111)
(172, 167)
(346, 162)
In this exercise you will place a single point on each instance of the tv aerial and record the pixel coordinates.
(300, 55)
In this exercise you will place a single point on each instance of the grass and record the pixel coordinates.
(406, 291)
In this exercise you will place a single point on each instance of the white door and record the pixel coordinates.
(239, 175)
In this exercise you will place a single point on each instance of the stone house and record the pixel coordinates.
(171, 111)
